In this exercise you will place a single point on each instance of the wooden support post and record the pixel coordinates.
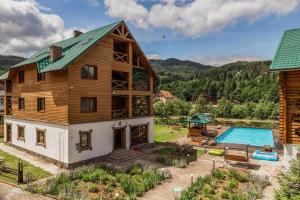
(20, 172)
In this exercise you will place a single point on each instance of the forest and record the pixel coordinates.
(236, 90)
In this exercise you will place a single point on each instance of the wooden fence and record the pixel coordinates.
(17, 172)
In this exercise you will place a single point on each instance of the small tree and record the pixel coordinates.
(202, 106)
(290, 182)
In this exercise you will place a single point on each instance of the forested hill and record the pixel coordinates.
(8, 61)
(240, 81)
(178, 66)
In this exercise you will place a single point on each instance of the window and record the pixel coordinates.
(88, 104)
(21, 133)
(85, 140)
(40, 76)
(21, 76)
(89, 72)
(41, 104)
(21, 104)
(41, 137)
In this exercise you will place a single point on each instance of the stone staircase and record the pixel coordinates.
(125, 155)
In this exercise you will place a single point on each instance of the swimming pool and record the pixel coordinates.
(250, 136)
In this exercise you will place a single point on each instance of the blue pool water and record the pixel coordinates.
(250, 136)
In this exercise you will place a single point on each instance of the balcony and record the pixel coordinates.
(140, 80)
(140, 106)
(8, 105)
(8, 87)
(119, 80)
(119, 107)
(120, 52)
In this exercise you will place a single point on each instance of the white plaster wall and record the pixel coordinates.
(102, 137)
(290, 152)
(56, 138)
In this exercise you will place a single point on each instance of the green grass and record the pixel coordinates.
(1, 139)
(200, 152)
(165, 133)
(11, 161)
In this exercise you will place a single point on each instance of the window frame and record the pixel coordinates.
(88, 145)
(40, 76)
(38, 104)
(38, 133)
(88, 110)
(21, 79)
(19, 103)
(85, 75)
(21, 137)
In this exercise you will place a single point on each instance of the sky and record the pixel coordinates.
(211, 32)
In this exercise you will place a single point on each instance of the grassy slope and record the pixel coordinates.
(11, 161)
(164, 133)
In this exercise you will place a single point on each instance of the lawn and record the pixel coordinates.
(226, 183)
(1, 139)
(165, 133)
(11, 161)
(100, 182)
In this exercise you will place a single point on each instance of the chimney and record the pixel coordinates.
(55, 53)
(76, 33)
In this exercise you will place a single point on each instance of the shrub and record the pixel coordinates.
(208, 189)
(290, 182)
(93, 188)
(232, 183)
(217, 173)
(237, 196)
(180, 163)
(134, 169)
(225, 194)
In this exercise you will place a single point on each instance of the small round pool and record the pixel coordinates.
(250, 136)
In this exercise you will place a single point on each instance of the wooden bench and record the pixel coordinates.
(243, 149)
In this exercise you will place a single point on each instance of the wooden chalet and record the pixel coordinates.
(81, 98)
(287, 62)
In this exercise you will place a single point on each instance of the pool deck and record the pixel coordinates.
(278, 146)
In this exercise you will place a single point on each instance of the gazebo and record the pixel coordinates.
(197, 124)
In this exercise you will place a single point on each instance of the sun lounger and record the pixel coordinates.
(211, 143)
(203, 141)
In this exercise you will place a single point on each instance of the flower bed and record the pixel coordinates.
(98, 182)
(226, 183)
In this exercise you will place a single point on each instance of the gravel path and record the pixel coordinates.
(8, 192)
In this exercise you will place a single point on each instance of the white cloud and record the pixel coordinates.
(26, 26)
(153, 56)
(219, 60)
(94, 3)
(194, 18)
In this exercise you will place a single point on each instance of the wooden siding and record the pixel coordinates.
(289, 107)
(54, 89)
(101, 55)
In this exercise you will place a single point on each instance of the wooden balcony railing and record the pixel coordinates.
(120, 84)
(121, 57)
(140, 86)
(119, 113)
(140, 112)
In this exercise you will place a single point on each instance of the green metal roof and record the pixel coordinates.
(200, 118)
(72, 48)
(287, 56)
(4, 76)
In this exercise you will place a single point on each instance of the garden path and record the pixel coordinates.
(34, 160)
(180, 178)
(9, 192)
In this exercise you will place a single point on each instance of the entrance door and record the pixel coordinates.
(8, 132)
(119, 138)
